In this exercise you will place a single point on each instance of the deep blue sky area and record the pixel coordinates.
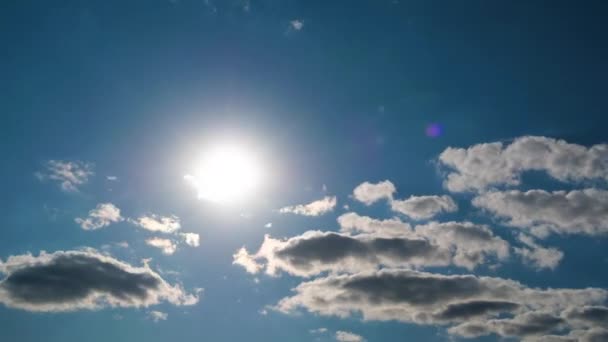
(330, 94)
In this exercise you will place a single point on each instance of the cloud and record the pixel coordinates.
(424, 207)
(436, 244)
(316, 208)
(485, 165)
(471, 305)
(68, 174)
(369, 193)
(157, 223)
(157, 316)
(296, 24)
(102, 216)
(167, 246)
(542, 212)
(83, 280)
(540, 257)
(191, 239)
(346, 336)
(353, 222)
(318, 331)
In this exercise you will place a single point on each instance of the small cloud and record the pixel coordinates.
(268, 225)
(369, 193)
(156, 223)
(157, 316)
(316, 208)
(167, 246)
(346, 336)
(191, 239)
(318, 331)
(296, 24)
(69, 174)
(102, 216)
(112, 178)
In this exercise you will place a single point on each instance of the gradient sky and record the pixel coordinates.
(478, 128)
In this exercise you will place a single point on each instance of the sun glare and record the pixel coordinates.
(226, 174)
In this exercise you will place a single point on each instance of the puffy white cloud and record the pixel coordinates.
(481, 305)
(69, 174)
(369, 193)
(157, 316)
(542, 212)
(424, 207)
(538, 256)
(76, 280)
(353, 222)
(191, 239)
(462, 244)
(102, 216)
(167, 246)
(485, 165)
(157, 223)
(346, 336)
(316, 208)
(296, 24)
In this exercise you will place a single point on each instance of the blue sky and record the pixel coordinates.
(423, 170)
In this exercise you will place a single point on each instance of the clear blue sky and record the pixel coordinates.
(107, 105)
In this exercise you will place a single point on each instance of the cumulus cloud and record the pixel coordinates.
(102, 216)
(191, 239)
(485, 165)
(542, 212)
(68, 174)
(158, 316)
(540, 257)
(346, 336)
(296, 24)
(471, 305)
(353, 222)
(77, 280)
(167, 246)
(462, 244)
(157, 223)
(369, 193)
(424, 207)
(316, 208)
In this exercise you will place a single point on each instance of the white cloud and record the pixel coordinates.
(268, 225)
(369, 193)
(541, 212)
(157, 223)
(346, 336)
(540, 257)
(424, 207)
(102, 216)
(191, 239)
(243, 258)
(296, 24)
(77, 280)
(476, 305)
(69, 174)
(112, 178)
(157, 316)
(485, 165)
(316, 208)
(353, 222)
(167, 246)
(318, 331)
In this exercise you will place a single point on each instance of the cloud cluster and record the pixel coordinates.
(415, 207)
(470, 305)
(482, 166)
(316, 208)
(542, 212)
(102, 216)
(461, 244)
(68, 174)
(157, 223)
(76, 280)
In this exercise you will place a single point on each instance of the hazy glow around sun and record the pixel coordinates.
(226, 173)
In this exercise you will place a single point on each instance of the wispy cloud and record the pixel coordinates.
(346, 336)
(316, 208)
(102, 216)
(157, 316)
(167, 246)
(68, 174)
(157, 223)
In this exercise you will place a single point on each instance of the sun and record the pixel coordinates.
(226, 173)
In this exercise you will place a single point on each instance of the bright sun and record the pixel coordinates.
(226, 174)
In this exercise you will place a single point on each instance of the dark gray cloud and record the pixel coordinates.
(590, 315)
(542, 212)
(485, 165)
(480, 305)
(73, 280)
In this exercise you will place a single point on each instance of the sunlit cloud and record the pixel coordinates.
(157, 316)
(158, 223)
(191, 239)
(167, 246)
(102, 216)
(68, 174)
(369, 193)
(316, 208)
